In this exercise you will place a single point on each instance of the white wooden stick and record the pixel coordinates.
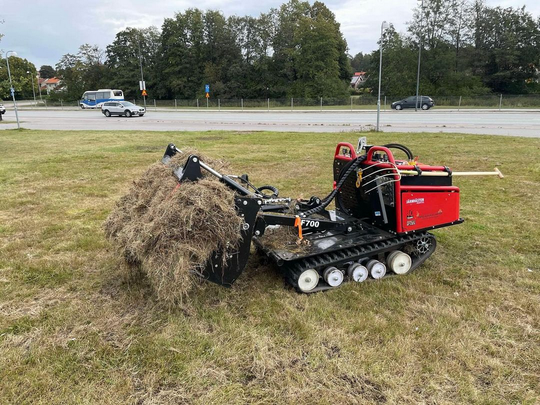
(496, 172)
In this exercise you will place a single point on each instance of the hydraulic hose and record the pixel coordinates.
(402, 148)
(347, 170)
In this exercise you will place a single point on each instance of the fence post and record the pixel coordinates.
(219, 104)
(155, 106)
(500, 102)
(268, 102)
(242, 103)
(321, 104)
(61, 104)
(384, 103)
(292, 103)
(459, 105)
(175, 105)
(351, 103)
(197, 104)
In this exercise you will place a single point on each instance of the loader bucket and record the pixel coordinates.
(224, 269)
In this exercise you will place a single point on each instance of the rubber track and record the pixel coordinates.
(293, 269)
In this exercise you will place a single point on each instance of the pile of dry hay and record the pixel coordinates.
(166, 230)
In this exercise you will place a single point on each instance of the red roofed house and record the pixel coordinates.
(50, 84)
(358, 79)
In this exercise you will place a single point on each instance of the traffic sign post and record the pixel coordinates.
(142, 87)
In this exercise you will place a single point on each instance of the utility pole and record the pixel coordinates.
(39, 87)
(383, 26)
(33, 90)
(142, 76)
(419, 53)
(12, 90)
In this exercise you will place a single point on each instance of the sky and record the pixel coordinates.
(42, 31)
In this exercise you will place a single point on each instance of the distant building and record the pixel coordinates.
(52, 84)
(358, 80)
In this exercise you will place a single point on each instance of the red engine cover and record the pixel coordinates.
(425, 209)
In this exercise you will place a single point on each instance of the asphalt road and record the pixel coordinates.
(512, 123)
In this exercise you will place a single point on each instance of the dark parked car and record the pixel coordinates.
(424, 102)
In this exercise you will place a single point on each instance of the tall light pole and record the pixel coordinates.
(142, 77)
(39, 88)
(383, 26)
(419, 53)
(33, 91)
(11, 89)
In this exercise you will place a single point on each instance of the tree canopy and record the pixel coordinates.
(468, 48)
(298, 50)
(46, 72)
(23, 73)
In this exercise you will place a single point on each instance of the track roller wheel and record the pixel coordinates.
(399, 262)
(376, 269)
(308, 280)
(424, 245)
(333, 276)
(357, 272)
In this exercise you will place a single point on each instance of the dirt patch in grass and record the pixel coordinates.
(167, 230)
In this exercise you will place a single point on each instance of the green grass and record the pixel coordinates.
(464, 328)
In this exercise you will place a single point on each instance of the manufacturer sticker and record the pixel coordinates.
(415, 201)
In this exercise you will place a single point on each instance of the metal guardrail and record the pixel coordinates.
(361, 102)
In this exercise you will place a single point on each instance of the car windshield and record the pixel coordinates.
(128, 104)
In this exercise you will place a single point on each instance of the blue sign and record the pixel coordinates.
(207, 88)
(12, 92)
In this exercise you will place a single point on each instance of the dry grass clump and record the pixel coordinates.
(167, 230)
(284, 238)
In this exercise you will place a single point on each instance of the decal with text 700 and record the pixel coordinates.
(308, 223)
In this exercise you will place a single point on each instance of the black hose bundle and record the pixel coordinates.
(344, 174)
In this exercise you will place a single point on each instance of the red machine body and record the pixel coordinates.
(428, 207)
(423, 200)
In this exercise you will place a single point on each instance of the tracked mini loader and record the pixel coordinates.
(384, 210)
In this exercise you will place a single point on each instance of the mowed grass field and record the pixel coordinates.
(463, 328)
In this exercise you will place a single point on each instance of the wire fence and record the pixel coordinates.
(363, 102)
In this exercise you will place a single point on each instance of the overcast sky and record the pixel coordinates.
(44, 30)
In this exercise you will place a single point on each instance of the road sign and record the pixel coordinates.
(207, 95)
(12, 90)
(144, 93)
(142, 85)
(207, 88)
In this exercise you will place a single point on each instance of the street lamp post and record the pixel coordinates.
(142, 77)
(39, 88)
(33, 90)
(11, 89)
(419, 53)
(383, 26)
